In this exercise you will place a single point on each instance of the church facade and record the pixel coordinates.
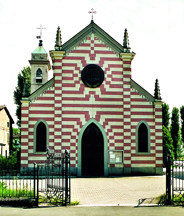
(91, 107)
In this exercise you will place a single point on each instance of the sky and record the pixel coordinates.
(155, 28)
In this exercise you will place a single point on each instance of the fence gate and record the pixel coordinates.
(177, 172)
(174, 180)
(53, 179)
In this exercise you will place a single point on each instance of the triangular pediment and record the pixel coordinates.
(92, 28)
(142, 91)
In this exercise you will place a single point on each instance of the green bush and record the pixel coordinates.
(16, 192)
(10, 162)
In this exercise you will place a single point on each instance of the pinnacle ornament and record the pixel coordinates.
(157, 91)
(126, 47)
(58, 44)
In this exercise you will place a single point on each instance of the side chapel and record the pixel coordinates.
(91, 107)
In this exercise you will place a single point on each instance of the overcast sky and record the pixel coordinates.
(155, 28)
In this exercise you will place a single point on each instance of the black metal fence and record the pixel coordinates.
(48, 182)
(54, 179)
(177, 172)
(174, 181)
(17, 187)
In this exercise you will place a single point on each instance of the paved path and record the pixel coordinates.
(114, 191)
(93, 211)
(107, 191)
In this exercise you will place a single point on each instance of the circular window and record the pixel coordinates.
(92, 76)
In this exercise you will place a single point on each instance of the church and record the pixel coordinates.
(92, 107)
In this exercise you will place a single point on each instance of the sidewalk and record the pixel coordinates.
(117, 191)
(93, 211)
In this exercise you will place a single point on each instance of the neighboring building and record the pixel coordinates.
(16, 139)
(6, 122)
(92, 107)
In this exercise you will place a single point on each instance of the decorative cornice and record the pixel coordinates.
(142, 90)
(158, 102)
(56, 54)
(36, 62)
(25, 100)
(127, 56)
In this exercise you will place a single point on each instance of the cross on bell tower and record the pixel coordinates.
(40, 37)
(92, 12)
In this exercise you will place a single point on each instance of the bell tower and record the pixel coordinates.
(40, 65)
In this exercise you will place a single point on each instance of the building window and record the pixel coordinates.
(8, 124)
(92, 76)
(39, 75)
(41, 137)
(143, 138)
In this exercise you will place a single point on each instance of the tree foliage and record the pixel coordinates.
(167, 144)
(165, 115)
(182, 122)
(175, 130)
(24, 78)
(16, 130)
(9, 163)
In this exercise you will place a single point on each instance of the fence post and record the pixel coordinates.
(37, 185)
(66, 176)
(34, 179)
(168, 179)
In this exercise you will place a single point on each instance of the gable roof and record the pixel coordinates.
(40, 90)
(7, 112)
(142, 91)
(99, 32)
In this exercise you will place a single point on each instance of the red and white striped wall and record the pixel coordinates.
(67, 105)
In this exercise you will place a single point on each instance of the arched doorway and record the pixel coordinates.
(92, 151)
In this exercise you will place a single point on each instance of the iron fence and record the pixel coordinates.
(54, 179)
(48, 182)
(177, 172)
(17, 187)
(174, 180)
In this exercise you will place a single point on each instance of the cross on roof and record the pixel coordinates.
(40, 37)
(92, 12)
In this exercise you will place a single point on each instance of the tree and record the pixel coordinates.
(167, 144)
(175, 130)
(23, 89)
(10, 162)
(180, 145)
(182, 122)
(165, 115)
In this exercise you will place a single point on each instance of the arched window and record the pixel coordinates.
(41, 137)
(143, 138)
(39, 75)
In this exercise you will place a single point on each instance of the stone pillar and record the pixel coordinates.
(158, 138)
(57, 57)
(24, 132)
(127, 59)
